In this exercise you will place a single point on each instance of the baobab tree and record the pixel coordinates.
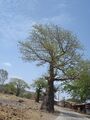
(56, 47)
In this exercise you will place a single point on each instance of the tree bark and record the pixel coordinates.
(50, 100)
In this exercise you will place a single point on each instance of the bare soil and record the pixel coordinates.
(16, 108)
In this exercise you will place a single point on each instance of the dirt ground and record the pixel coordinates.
(15, 108)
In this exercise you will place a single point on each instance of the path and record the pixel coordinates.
(67, 114)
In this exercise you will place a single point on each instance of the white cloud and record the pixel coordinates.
(15, 76)
(7, 64)
(63, 19)
(62, 5)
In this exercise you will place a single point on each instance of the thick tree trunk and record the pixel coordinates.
(50, 100)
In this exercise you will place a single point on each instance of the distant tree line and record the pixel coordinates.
(15, 86)
(19, 87)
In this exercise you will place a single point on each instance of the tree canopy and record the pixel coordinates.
(39, 85)
(19, 84)
(80, 88)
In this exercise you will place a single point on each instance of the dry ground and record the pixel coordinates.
(15, 108)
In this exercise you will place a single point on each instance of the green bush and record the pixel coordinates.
(26, 95)
(9, 89)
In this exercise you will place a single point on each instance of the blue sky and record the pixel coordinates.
(17, 18)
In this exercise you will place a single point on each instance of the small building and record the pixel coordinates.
(79, 107)
(87, 107)
(84, 108)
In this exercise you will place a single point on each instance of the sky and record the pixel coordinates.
(17, 18)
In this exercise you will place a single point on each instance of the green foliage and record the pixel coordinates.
(19, 84)
(9, 88)
(53, 45)
(80, 89)
(39, 85)
(26, 94)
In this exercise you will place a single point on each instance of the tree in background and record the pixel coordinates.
(56, 47)
(39, 85)
(19, 84)
(3, 78)
(80, 89)
(9, 88)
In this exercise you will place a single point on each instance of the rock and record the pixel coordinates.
(41, 115)
(0, 104)
(29, 108)
(15, 114)
(20, 100)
